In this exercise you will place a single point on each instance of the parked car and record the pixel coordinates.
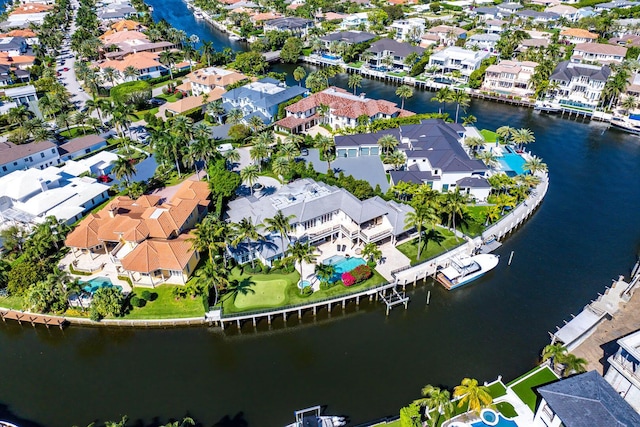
(65, 69)
(157, 101)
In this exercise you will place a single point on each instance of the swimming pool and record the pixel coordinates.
(342, 265)
(330, 57)
(512, 161)
(491, 418)
(98, 282)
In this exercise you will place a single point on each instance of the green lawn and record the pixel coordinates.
(497, 390)
(140, 114)
(489, 135)
(356, 64)
(16, 303)
(77, 132)
(170, 98)
(397, 74)
(438, 241)
(166, 306)
(475, 227)
(272, 290)
(506, 409)
(524, 388)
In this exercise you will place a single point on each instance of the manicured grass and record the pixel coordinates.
(437, 241)
(356, 64)
(307, 51)
(497, 390)
(170, 98)
(166, 306)
(506, 409)
(489, 135)
(140, 114)
(272, 290)
(524, 387)
(13, 302)
(397, 74)
(478, 216)
(77, 132)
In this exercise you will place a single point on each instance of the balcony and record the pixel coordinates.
(625, 366)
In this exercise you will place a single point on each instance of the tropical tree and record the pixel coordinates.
(327, 148)
(469, 120)
(371, 252)
(404, 92)
(255, 123)
(246, 231)
(488, 158)
(505, 132)
(455, 204)
(281, 166)
(534, 165)
(396, 158)
(235, 116)
(629, 103)
(250, 175)
(435, 400)
(573, 365)
(418, 220)
(301, 253)
(355, 81)
(473, 395)
(211, 276)
(323, 111)
(461, 99)
(299, 74)
(492, 214)
(443, 96)
(554, 353)
(281, 224)
(473, 143)
(124, 168)
(167, 58)
(325, 272)
(259, 152)
(387, 143)
(215, 109)
(522, 136)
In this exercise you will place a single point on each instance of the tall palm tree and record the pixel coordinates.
(246, 231)
(299, 74)
(473, 143)
(461, 99)
(250, 175)
(522, 136)
(167, 58)
(488, 158)
(211, 276)
(554, 353)
(535, 164)
(416, 219)
(371, 252)
(505, 132)
(323, 111)
(404, 92)
(396, 158)
(111, 75)
(258, 153)
(301, 253)
(130, 72)
(325, 272)
(355, 81)
(443, 96)
(455, 204)
(215, 109)
(255, 123)
(327, 148)
(475, 396)
(281, 166)
(573, 364)
(281, 224)
(235, 116)
(436, 400)
(123, 168)
(207, 51)
(388, 143)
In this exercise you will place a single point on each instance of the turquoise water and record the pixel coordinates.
(97, 283)
(512, 162)
(343, 264)
(502, 422)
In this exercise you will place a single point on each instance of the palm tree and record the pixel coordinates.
(505, 132)
(280, 224)
(454, 205)
(281, 166)
(299, 74)
(371, 252)
(167, 58)
(123, 168)
(461, 99)
(469, 120)
(111, 75)
(475, 396)
(325, 272)
(255, 123)
(387, 143)
(629, 103)
(355, 81)
(573, 365)
(235, 116)
(211, 276)
(258, 153)
(215, 109)
(488, 158)
(130, 72)
(443, 95)
(396, 158)
(554, 353)
(250, 175)
(404, 92)
(207, 51)
(522, 136)
(535, 164)
(247, 231)
(474, 143)
(436, 400)
(327, 147)
(232, 156)
(492, 214)
(185, 422)
(323, 111)
(301, 253)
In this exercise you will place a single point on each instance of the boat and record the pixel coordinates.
(312, 417)
(198, 14)
(629, 124)
(463, 270)
(546, 107)
(234, 37)
(7, 424)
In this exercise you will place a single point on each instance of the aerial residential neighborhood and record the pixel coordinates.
(252, 167)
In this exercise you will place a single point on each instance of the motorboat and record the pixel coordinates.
(198, 14)
(547, 107)
(629, 124)
(462, 270)
(234, 37)
(312, 417)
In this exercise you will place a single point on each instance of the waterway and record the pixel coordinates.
(361, 364)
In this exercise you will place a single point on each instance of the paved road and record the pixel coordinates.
(68, 78)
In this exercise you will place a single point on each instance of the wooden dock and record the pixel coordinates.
(32, 318)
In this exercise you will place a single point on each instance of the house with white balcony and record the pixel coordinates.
(391, 54)
(344, 111)
(434, 153)
(207, 79)
(456, 58)
(510, 78)
(580, 85)
(446, 34)
(320, 213)
(623, 372)
(599, 52)
(486, 41)
(408, 29)
(356, 21)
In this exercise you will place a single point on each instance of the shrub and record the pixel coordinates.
(306, 291)
(361, 273)
(146, 295)
(136, 92)
(348, 279)
(138, 302)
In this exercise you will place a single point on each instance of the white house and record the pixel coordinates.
(510, 77)
(24, 156)
(80, 146)
(321, 213)
(580, 85)
(598, 52)
(396, 51)
(99, 164)
(29, 196)
(481, 41)
(408, 29)
(624, 369)
(22, 95)
(355, 21)
(456, 58)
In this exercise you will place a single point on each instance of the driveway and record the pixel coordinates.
(368, 168)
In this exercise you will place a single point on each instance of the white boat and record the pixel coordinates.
(629, 124)
(463, 270)
(234, 37)
(7, 424)
(547, 107)
(311, 417)
(198, 14)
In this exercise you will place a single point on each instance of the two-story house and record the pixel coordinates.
(146, 63)
(13, 46)
(623, 372)
(347, 37)
(408, 29)
(355, 21)
(446, 34)
(207, 79)
(578, 35)
(456, 58)
(320, 213)
(580, 85)
(486, 41)
(598, 52)
(261, 98)
(345, 110)
(145, 239)
(31, 155)
(297, 26)
(510, 78)
(391, 54)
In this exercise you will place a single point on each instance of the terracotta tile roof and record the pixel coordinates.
(259, 17)
(601, 49)
(18, 60)
(193, 190)
(291, 122)
(578, 32)
(31, 8)
(190, 102)
(126, 25)
(85, 235)
(139, 61)
(215, 77)
(154, 254)
(19, 33)
(122, 36)
(344, 104)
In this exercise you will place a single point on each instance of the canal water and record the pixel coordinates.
(361, 364)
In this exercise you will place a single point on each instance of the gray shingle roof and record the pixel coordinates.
(474, 181)
(587, 400)
(400, 49)
(350, 37)
(289, 23)
(566, 70)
